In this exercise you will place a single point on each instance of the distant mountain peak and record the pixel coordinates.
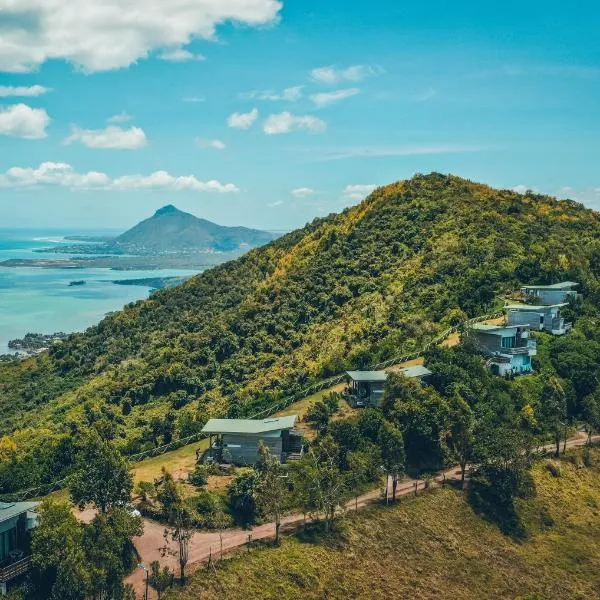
(169, 209)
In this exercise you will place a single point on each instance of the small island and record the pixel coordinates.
(77, 283)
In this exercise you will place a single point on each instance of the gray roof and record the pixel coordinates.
(496, 329)
(367, 375)
(564, 285)
(8, 510)
(531, 307)
(250, 426)
(416, 371)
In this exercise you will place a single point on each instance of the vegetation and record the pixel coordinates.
(348, 290)
(433, 546)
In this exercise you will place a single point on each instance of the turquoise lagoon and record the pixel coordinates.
(41, 301)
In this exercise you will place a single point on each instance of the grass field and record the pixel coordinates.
(432, 547)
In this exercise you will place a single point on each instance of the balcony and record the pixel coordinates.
(14, 570)
(529, 348)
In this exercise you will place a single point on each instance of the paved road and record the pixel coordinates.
(152, 543)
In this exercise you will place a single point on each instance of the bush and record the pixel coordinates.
(199, 476)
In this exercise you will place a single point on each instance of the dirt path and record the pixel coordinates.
(151, 545)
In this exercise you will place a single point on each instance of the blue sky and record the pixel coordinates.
(269, 113)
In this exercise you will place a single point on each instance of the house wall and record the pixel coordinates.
(242, 449)
(8, 534)
(487, 342)
(553, 296)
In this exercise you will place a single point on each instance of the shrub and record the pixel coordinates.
(199, 476)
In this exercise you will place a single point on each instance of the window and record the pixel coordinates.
(508, 342)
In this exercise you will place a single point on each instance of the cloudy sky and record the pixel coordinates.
(271, 112)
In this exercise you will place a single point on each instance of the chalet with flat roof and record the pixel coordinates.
(550, 295)
(508, 348)
(17, 519)
(365, 388)
(539, 317)
(236, 441)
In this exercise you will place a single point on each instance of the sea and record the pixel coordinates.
(40, 300)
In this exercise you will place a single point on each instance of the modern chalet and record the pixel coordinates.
(539, 317)
(236, 441)
(365, 388)
(550, 295)
(17, 519)
(508, 348)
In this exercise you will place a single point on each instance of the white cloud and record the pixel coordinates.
(180, 55)
(99, 36)
(359, 191)
(20, 120)
(327, 98)
(291, 94)
(214, 144)
(32, 90)
(242, 120)
(332, 74)
(376, 151)
(63, 175)
(122, 117)
(303, 192)
(111, 137)
(286, 122)
(520, 189)
(193, 99)
(276, 203)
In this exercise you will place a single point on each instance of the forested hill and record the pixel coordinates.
(172, 230)
(351, 289)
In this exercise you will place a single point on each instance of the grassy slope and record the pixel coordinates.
(433, 546)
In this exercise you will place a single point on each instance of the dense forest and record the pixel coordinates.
(349, 290)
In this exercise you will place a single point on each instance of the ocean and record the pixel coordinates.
(41, 301)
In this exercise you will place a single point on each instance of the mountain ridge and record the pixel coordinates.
(375, 281)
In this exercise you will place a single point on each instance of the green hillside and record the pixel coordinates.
(373, 282)
(432, 547)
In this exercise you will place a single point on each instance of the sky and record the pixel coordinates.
(268, 113)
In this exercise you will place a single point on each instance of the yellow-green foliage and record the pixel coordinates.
(434, 547)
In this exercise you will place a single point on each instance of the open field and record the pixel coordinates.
(433, 546)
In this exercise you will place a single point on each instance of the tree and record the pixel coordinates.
(272, 488)
(60, 569)
(590, 412)
(102, 477)
(460, 434)
(362, 465)
(551, 411)
(391, 444)
(241, 495)
(160, 579)
(109, 550)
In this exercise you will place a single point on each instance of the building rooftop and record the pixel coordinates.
(496, 329)
(564, 285)
(367, 375)
(8, 510)
(534, 307)
(250, 426)
(416, 371)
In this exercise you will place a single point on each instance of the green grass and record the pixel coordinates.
(433, 546)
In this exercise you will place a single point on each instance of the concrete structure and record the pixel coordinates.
(17, 519)
(550, 295)
(236, 441)
(365, 388)
(538, 317)
(508, 348)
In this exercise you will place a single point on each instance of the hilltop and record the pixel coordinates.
(432, 547)
(373, 282)
(174, 231)
(170, 231)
